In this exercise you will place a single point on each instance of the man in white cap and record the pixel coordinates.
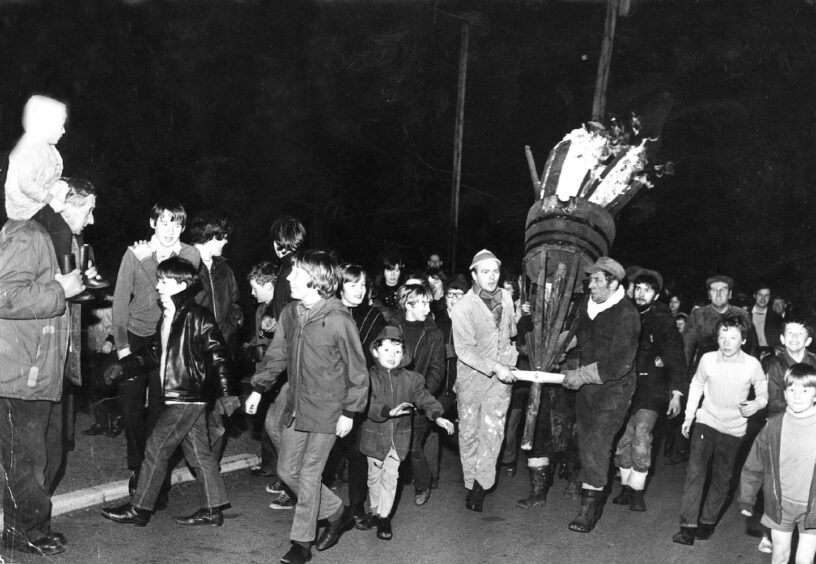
(482, 328)
(607, 332)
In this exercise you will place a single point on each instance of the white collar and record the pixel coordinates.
(593, 309)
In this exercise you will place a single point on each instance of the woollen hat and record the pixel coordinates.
(609, 265)
(720, 278)
(482, 256)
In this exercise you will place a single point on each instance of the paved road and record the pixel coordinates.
(441, 531)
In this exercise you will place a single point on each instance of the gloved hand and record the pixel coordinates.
(574, 379)
(114, 373)
(227, 405)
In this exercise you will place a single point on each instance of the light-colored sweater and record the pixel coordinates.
(723, 383)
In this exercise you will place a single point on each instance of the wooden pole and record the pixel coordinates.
(605, 61)
(457, 144)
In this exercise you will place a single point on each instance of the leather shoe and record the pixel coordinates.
(258, 470)
(685, 536)
(421, 497)
(384, 531)
(57, 537)
(206, 516)
(298, 554)
(127, 514)
(335, 530)
(704, 531)
(44, 546)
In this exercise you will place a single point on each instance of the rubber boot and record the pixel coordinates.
(539, 486)
(476, 500)
(623, 498)
(637, 483)
(637, 503)
(592, 502)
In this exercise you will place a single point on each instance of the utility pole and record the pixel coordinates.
(457, 146)
(605, 60)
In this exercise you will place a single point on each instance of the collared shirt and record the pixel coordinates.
(162, 252)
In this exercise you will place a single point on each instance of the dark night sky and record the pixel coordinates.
(343, 113)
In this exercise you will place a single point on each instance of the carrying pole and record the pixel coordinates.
(457, 145)
(605, 61)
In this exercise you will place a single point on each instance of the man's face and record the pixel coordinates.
(719, 293)
(167, 231)
(352, 294)
(800, 398)
(262, 292)
(299, 281)
(601, 289)
(762, 298)
(418, 310)
(486, 274)
(79, 216)
(779, 305)
(434, 261)
(795, 338)
(644, 294)
(389, 353)
(168, 287)
(392, 275)
(730, 341)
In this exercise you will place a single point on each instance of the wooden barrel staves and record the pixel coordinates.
(561, 239)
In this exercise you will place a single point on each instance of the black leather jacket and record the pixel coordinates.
(197, 365)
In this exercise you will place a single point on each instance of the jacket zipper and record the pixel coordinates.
(212, 291)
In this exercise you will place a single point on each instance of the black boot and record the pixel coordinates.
(205, 516)
(476, 498)
(591, 509)
(625, 497)
(637, 502)
(384, 531)
(127, 514)
(539, 486)
(685, 536)
(300, 553)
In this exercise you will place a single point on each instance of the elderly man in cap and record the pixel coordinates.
(700, 336)
(661, 381)
(482, 326)
(607, 331)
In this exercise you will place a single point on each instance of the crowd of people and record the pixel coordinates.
(354, 373)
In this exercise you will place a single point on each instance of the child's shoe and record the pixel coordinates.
(283, 501)
(384, 528)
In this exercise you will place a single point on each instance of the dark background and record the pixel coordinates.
(342, 113)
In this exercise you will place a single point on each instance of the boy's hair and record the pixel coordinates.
(322, 268)
(798, 320)
(391, 260)
(732, 321)
(78, 190)
(178, 269)
(208, 226)
(379, 342)
(350, 273)
(434, 272)
(801, 373)
(412, 293)
(175, 209)
(288, 233)
(263, 272)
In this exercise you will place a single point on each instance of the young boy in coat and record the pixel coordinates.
(782, 461)
(194, 368)
(386, 435)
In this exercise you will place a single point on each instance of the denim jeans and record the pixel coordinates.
(301, 458)
(31, 455)
(185, 425)
(707, 444)
(635, 446)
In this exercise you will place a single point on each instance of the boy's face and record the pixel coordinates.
(418, 310)
(262, 292)
(168, 287)
(58, 131)
(681, 324)
(217, 246)
(730, 341)
(389, 353)
(299, 281)
(800, 398)
(392, 275)
(167, 231)
(352, 294)
(795, 338)
(280, 250)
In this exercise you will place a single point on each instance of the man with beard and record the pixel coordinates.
(661, 381)
(483, 325)
(607, 334)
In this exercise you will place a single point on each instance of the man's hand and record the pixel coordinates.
(71, 283)
(227, 405)
(251, 403)
(674, 405)
(746, 513)
(748, 408)
(113, 373)
(268, 324)
(344, 425)
(141, 249)
(402, 409)
(572, 381)
(686, 428)
(445, 424)
(504, 374)
(525, 308)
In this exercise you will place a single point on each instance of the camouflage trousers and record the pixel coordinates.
(481, 433)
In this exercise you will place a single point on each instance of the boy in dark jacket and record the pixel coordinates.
(386, 434)
(193, 363)
(781, 461)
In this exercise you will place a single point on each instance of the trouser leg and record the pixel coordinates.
(201, 458)
(724, 456)
(419, 463)
(702, 449)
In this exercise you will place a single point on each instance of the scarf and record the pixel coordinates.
(593, 309)
(493, 301)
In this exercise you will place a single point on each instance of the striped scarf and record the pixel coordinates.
(493, 301)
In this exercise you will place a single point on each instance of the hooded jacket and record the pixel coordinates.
(387, 389)
(197, 367)
(34, 163)
(320, 350)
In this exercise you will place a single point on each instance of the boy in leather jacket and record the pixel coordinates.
(193, 363)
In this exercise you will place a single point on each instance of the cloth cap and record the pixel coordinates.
(610, 265)
(459, 283)
(482, 256)
(720, 278)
